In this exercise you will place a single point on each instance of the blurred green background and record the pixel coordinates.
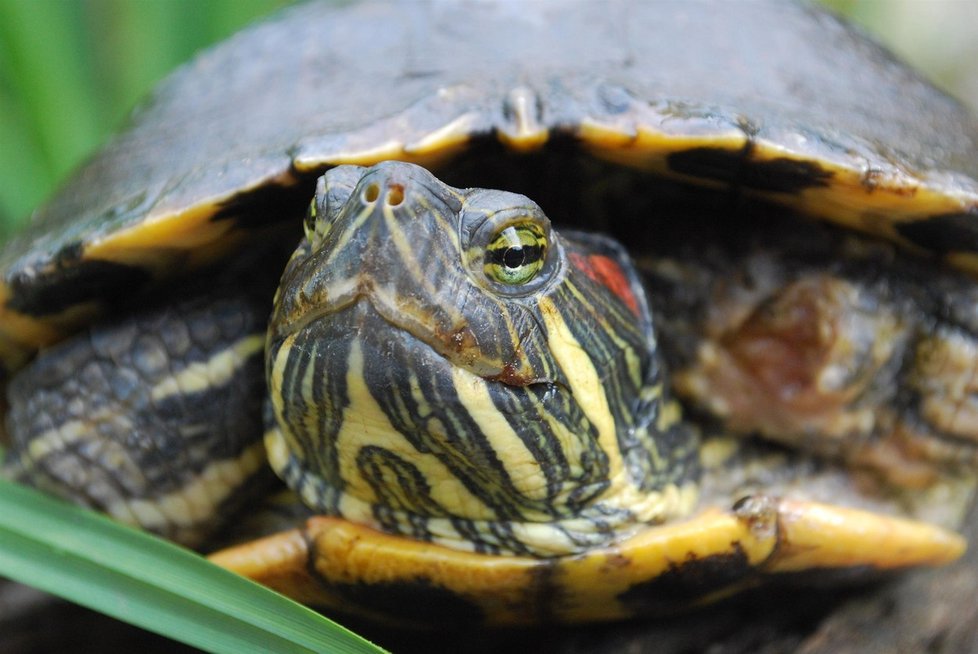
(70, 70)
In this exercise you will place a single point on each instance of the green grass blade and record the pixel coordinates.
(141, 579)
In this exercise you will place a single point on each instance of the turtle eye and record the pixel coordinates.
(516, 254)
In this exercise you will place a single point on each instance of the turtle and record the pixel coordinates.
(481, 414)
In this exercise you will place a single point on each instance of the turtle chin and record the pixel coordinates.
(376, 426)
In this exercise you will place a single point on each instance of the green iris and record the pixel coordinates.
(516, 254)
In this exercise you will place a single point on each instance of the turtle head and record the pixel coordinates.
(394, 243)
(443, 364)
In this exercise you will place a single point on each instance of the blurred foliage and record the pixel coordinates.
(938, 37)
(94, 561)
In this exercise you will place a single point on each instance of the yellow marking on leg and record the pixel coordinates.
(56, 439)
(194, 378)
(196, 502)
(215, 372)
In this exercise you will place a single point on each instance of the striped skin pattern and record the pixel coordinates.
(415, 394)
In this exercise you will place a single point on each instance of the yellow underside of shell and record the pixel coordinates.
(759, 540)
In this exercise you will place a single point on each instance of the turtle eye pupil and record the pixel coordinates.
(514, 257)
(516, 254)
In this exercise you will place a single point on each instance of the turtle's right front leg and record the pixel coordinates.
(153, 418)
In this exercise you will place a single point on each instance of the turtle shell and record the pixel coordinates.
(769, 98)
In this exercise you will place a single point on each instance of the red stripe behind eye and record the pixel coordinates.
(608, 273)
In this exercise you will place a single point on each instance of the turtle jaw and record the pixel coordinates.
(433, 454)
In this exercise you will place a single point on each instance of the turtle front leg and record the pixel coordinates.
(153, 418)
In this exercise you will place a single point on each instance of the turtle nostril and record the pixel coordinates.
(395, 195)
(371, 193)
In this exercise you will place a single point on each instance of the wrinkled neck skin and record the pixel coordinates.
(414, 393)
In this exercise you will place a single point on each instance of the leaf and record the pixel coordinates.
(139, 578)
